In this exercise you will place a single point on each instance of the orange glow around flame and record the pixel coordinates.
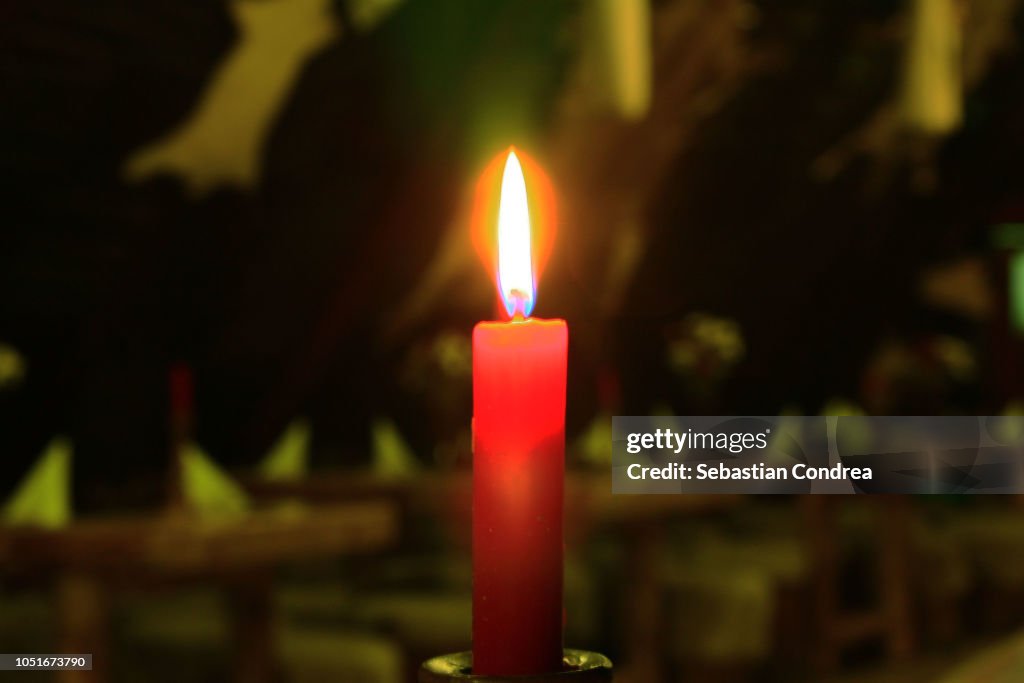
(513, 227)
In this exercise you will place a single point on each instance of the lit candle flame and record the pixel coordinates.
(515, 263)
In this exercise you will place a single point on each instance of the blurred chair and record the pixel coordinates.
(991, 538)
(837, 626)
(729, 594)
(943, 573)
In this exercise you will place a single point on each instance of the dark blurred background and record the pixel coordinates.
(237, 288)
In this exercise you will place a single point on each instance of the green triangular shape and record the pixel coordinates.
(288, 460)
(392, 456)
(207, 489)
(43, 498)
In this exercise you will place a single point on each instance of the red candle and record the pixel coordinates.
(519, 374)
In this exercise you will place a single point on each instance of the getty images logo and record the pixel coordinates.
(676, 442)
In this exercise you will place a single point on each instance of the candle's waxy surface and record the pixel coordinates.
(519, 375)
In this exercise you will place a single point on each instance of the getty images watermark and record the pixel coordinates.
(848, 454)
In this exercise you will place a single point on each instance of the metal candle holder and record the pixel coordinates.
(579, 666)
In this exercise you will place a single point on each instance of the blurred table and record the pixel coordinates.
(589, 505)
(92, 559)
(588, 497)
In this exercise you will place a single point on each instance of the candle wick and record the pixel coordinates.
(519, 311)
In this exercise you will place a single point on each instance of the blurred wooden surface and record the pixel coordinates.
(589, 505)
(91, 560)
(183, 545)
(588, 495)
